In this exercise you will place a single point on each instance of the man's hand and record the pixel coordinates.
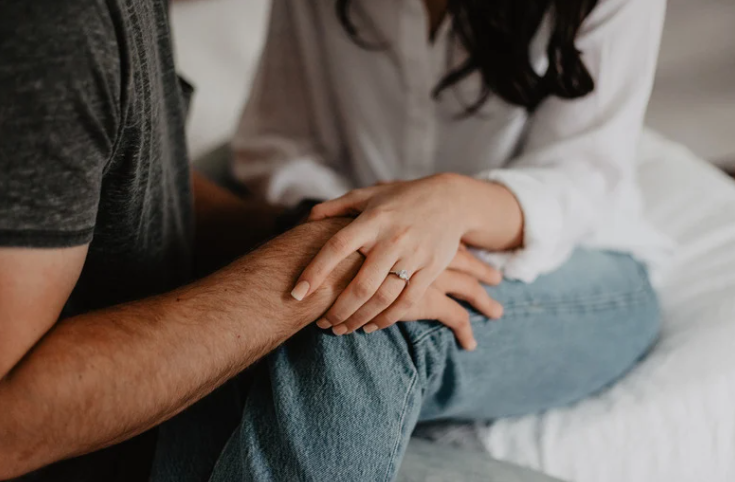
(415, 227)
(100, 378)
(463, 280)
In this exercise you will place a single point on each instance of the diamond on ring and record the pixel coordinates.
(403, 274)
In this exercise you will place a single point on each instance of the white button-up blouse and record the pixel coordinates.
(326, 115)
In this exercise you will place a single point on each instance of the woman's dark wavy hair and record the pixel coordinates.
(497, 35)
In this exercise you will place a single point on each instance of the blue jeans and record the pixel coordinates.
(343, 409)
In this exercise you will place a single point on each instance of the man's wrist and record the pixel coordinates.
(276, 266)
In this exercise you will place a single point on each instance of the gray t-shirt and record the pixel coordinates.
(92, 147)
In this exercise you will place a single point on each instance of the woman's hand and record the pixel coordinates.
(438, 304)
(415, 226)
(463, 280)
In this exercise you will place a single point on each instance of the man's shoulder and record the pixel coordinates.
(60, 82)
(54, 13)
(55, 27)
(52, 47)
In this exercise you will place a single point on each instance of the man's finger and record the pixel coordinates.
(456, 318)
(437, 306)
(467, 263)
(466, 288)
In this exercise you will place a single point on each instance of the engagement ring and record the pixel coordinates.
(403, 274)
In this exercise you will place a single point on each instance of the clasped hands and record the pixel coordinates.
(415, 227)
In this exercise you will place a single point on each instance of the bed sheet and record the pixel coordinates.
(673, 418)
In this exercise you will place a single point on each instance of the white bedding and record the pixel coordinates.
(673, 418)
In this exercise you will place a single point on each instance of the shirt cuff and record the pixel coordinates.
(544, 248)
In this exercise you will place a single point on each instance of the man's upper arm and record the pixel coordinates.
(59, 119)
(60, 93)
(34, 286)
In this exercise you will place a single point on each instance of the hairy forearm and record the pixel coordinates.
(100, 378)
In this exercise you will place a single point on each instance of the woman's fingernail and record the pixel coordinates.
(323, 324)
(299, 292)
(472, 346)
(371, 328)
(340, 330)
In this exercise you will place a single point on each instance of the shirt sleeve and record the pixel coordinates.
(58, 121)
(579, 156)
(278, 153)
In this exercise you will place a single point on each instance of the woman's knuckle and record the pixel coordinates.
(395, 241)
(373, 215)
(332, 318)
(383, 297)
(464, 319)
(423, 253)
(399, 237)
(408, 302)
(338, 243)
(362, 289)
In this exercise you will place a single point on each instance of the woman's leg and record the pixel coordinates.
(329, 408)
(564, 337)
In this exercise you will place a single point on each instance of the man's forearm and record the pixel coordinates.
(103, 377)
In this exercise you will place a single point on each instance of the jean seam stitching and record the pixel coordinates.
(594, 303)
(602, 298)
(404, 410)
(428, 335)
(631, 298)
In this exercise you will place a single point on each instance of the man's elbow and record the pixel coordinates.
(11, 463)
(9, 472)
(16, 457)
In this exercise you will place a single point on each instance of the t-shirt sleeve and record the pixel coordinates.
(59, 119)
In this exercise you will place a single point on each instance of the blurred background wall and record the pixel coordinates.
(694, 98)
(218, 42)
